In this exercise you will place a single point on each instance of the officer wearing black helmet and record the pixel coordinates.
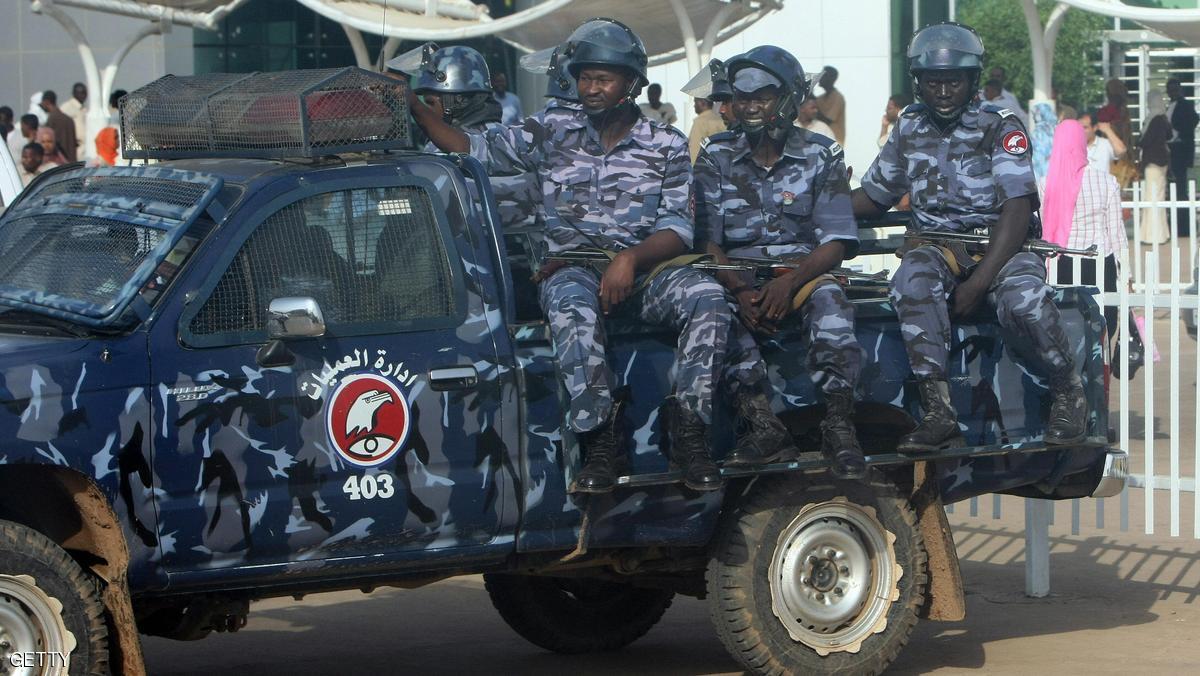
(611, 179)
(967, 167)
(769, 188)
(456, 83)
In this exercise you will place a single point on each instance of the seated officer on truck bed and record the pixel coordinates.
(611, 179)
(967, 167)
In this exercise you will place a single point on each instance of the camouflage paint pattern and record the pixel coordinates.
(454, 70)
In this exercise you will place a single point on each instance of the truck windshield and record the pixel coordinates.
(83, 246)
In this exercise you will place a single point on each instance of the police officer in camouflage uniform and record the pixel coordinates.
(967, 166)
(772, 189)
(455, 81)
(612, 179)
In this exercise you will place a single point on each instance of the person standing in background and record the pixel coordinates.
(26, 132)
(1115, 113)
(6, 121)
(1081, 207)
(63, 126)
(707, 123)
(1102, 150)
(895, 104)
(806, 118)
(1156, 132)
(76, 109)
(832, 105)
(510, 105)
(1182, 114)
(29, 163)
(655, 108)
(50, 147)
(108, 140)
(1006, 99)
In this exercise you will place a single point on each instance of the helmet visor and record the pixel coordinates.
(410, 62)
(539, 61)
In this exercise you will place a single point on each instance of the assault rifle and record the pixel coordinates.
(761, 266)
(980, 243)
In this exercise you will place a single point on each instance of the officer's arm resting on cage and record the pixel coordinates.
(1006, 237)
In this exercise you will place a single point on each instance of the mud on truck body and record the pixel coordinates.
(230, 376)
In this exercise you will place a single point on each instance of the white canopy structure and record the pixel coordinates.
(672, 29)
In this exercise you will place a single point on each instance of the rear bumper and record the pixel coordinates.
(1115, 474)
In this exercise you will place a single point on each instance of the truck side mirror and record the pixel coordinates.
(294, 317)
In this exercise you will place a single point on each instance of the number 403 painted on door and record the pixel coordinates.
(369, 486)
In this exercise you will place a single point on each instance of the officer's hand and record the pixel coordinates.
(617, 282)
(967, 297)
(775, 300)
(747, 310)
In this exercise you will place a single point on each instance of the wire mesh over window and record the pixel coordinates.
(83, 258)
(297, 113)
(369, 256)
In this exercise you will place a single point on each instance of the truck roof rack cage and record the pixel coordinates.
(286, 114)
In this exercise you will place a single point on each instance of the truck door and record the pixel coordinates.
(365, 440)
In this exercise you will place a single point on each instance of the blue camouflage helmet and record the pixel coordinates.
(453, 70)
(606, 42)
(780, 63)
(945, 46)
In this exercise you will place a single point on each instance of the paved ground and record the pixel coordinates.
(1120, 602)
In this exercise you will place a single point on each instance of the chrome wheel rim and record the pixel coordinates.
(833, 576)
(31, 622)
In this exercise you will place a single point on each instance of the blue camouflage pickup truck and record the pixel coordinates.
(229, 376)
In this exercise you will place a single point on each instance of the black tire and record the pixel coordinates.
(740, 593)
(576, 615)
(34, 569)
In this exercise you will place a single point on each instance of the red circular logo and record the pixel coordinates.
(1016, 142)
(368, 419)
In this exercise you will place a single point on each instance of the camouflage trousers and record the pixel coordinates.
(834, 357)
(712, 345)
(1023, 300)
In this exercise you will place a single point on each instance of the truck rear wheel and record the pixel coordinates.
(817, 579)
(49, 608)
(576, 615)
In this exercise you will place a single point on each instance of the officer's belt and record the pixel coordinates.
(958, 258)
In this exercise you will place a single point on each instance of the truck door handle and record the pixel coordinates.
(453, 378)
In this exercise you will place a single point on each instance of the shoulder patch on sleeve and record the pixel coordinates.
(1015, 142)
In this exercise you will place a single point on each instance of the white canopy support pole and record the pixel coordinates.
(90, 70)
(97, 103)
(361, 56)
(1037, 43)
(477, 29)
(690, 48)
(389, 50)
(1053, 26)
(710, 34)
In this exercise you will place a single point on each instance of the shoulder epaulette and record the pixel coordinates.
(995, 109)
(913, 109)
(719, 137)
(834, 147)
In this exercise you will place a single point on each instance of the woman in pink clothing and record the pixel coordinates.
(1081, 207)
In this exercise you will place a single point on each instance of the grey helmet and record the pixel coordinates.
(946, 46)
(606, 42)
(447, 70)
(787, 69)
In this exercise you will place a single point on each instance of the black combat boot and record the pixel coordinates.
(765, 439)
(939, 427)
(839, 442)
(1068, 409)
(601, 451)
(689, 450)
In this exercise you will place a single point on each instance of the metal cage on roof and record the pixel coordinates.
(296, 113)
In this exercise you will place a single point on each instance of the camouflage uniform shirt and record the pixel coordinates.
(515, 195)
(800, 203)
(590, 197)
(960, 180)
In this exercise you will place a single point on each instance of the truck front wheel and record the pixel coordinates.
(576, 615)
(817, 579)
(51, 616)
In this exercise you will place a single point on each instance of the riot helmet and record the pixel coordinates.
(458, 75)
(561, 84)
(712, 82)
(765, 66)
(946, 46)
(606, 42)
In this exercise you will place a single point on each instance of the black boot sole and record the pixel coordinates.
(953, 442)
(784, 455)
(576, 489)
(705, 487)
